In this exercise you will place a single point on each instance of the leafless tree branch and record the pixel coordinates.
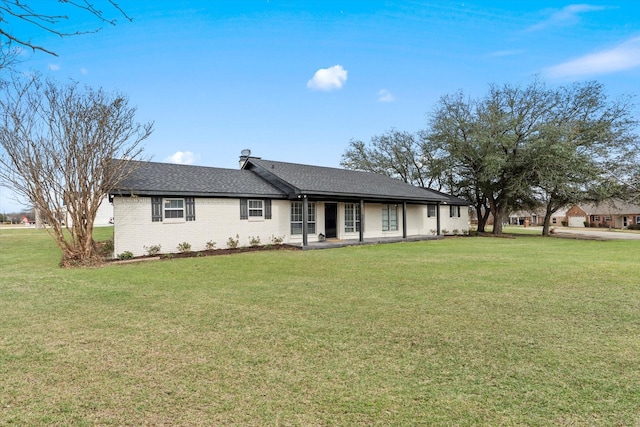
(20, 10)
(59, 143)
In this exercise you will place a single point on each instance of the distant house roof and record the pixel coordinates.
(610, 207)
(151, 179)
(271, 179)
(318, 181)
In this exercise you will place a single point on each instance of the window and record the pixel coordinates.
(554, 220)
(389, 218)
(608, 219)
(432, 211)
(596, 218)
(638, 220)
(351, 217)
(454, 211)
(255, 209)
(296, 218)
(174, 209)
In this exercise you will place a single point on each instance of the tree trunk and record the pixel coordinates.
(498, 214)
(547, 220)
(482, 220)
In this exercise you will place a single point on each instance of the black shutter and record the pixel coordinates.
(156, 209)
(191, 208)
(244, 209)
(267, 209)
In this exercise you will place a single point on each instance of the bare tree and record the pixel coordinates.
(59, 144)
(398, 154)
(19, 10)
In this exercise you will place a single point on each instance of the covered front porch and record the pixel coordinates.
(339, 243)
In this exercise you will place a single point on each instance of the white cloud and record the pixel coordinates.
(84, 71)
(568, 15)
(53, 67)
(183, 158)
(622, 57)
(328, 78)
(385, 96)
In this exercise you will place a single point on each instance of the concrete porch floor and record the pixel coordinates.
(336, 243)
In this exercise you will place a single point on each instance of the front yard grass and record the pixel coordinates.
(462, 331)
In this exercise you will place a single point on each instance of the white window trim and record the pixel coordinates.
(311, 219)
(260, 209)
(165, 219)
(388, 209)
(356, 217)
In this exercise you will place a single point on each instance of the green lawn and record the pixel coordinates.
(462, 331)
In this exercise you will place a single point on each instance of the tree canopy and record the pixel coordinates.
(518, 147)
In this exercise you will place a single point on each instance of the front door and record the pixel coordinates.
(331, 220)
(625, 221)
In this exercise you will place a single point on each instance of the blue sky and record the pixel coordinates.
(297, 80)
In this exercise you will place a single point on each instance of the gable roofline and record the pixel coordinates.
(169, 179)
(451, 200)
(326, 182)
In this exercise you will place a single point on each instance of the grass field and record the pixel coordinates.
(462, 331)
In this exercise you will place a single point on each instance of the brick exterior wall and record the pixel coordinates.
(219, 219)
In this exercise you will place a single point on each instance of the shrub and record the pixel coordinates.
(125, 255)
(277, 240)
(455, 232)
(210, 245)
(445, 231)
(184, 247)
(233, 243)
(254, 241)
(153, 250)
(465, 232)
(433, 231)
(105, 248)
(564, 223)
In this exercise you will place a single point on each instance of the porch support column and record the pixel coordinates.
(305, 217)
(438, 219)
(362, 220)
(404, 220)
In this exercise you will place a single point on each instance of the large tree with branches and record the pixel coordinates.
(58, 143)
(40, 18)
(523, 147)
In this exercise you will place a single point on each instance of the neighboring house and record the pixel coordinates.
(536, 218)
(614, 214)
(168, 204)
(104, 215)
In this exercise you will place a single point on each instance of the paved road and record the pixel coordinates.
(597, 233)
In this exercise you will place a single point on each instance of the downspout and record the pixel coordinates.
(404, 219)
(361, 220)
(438, 220)
(305, 214)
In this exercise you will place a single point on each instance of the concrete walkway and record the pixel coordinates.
(335, 243)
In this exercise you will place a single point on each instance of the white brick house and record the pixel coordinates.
(167, 204)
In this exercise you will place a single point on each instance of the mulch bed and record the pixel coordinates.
(210, 252)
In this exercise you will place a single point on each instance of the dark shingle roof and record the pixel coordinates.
(452, 200)
(149, 178)
(325, 181)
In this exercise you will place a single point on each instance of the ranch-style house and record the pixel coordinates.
(161, 204)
